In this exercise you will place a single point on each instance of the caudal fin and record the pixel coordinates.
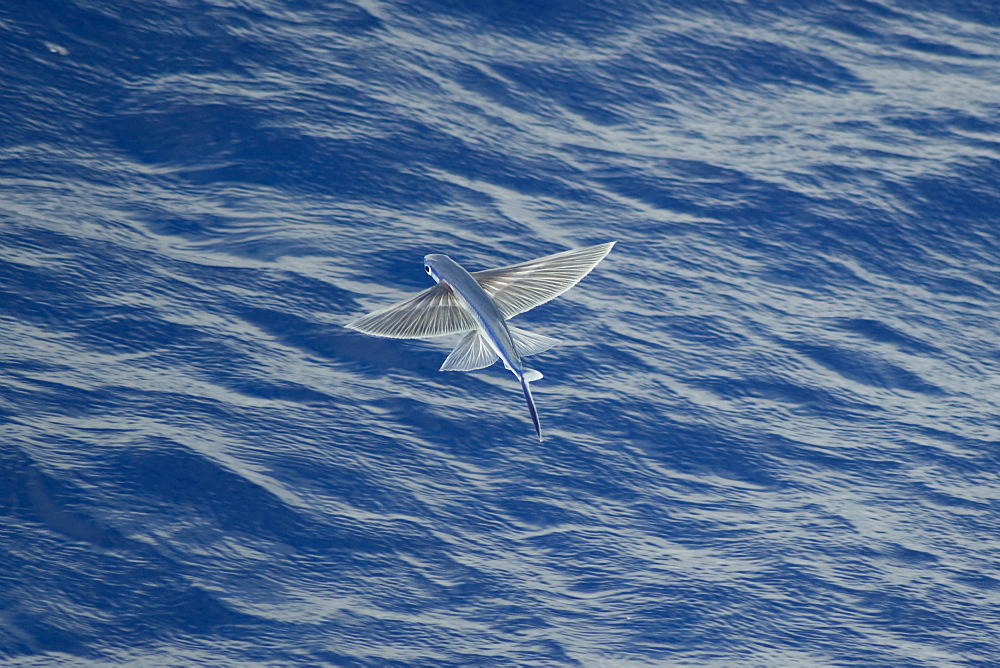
(527, 377)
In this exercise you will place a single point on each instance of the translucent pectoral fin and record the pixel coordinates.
(528, 343)
(521, 287)
(472, 352)
(433, 312)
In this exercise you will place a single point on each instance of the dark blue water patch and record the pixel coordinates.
(38, 292)
(209, 40)
(965, 120)
(814, 276)
(951, 503)
(33, 310)
(861, 367)
(752, 64)
(666, 624)
(848, 175)
(950, 123)
(705, 330)
(599, 94)
(696, 451)
(887, 26)
(39, 79)
(171, 476)
(313, 295)
(540, 514)
(139, 592)
(71, 293)
(702, 189)
(887, 243)
(523, 174)
(284, 391)
(345, 18)
(958, 452)
(564, 471)
(900, 612)
(208, 143)
(972, 11)
(500, 91)
(385, 356)
(556, 20)
(28, 634)
(137, 330)
(59, 303)
(979, 581)
(224, 143)
(188, 134)
(30, 495)
(816, 399)
(331, 342)
(936, 48)
(964, 193)
(39, 396)
(854, 25)
(77, 59)
(880, 332)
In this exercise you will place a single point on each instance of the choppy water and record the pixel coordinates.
(772, 435)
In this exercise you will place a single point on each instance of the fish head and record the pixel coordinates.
(433, 264)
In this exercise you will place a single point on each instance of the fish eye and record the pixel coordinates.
(427, 268)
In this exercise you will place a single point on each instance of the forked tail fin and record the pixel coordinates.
(528, 376)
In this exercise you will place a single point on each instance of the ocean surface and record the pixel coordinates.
(772, 432)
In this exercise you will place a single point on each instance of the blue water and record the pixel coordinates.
(772, 434)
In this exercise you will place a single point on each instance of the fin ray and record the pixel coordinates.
(436, 311)
(521, 287)
(529, 343)
(472, 352)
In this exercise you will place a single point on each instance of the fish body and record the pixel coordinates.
(491, 325)
(479, 304)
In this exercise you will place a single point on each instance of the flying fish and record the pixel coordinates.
(479, 304)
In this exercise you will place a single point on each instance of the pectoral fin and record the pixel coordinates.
(434, 312)
(521, 287)
(472, 352)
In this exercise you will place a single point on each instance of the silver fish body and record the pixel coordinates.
(491, 325)
(479, 305)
